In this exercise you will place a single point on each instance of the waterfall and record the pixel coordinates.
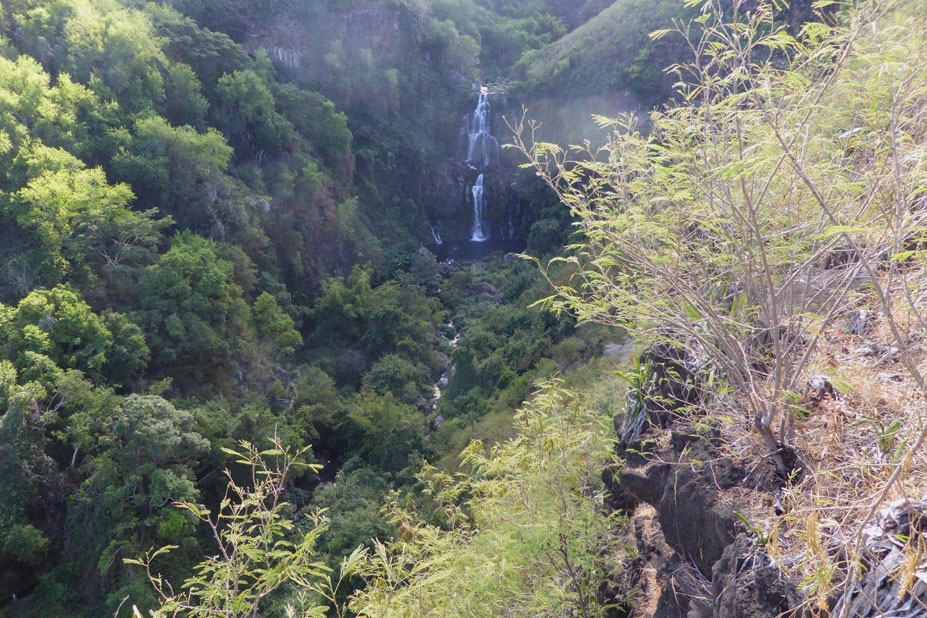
(436, 236)
(478, 235)
(482, 153)
(483, 148)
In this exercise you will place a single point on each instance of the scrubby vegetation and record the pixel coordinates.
(592, 60)
(758, 236)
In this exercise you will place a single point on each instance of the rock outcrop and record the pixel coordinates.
(696, 509)
(696, 560)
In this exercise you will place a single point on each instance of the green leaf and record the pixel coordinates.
(904, 256)
(837, 230)
(656, 35)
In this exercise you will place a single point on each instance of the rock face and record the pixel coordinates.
(702, 562)
(746, 582)
(290, 43)
(893, 581)
(355, 57)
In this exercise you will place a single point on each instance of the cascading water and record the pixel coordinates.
(483, 148)
(478, 234)
(488, 216)
(482, 152)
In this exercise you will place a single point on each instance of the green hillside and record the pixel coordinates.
(610, 52)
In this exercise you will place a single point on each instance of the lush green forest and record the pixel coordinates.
(212, 215)
(242, 375)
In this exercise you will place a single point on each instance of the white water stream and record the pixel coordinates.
(482, 152)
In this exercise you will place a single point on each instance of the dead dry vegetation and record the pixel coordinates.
(860, 462)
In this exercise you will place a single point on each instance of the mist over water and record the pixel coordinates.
(566, 120)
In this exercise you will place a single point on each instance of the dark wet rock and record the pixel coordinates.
(617, 498)
(703, 569)
(693, 522)
(647, 483)
(652, 566)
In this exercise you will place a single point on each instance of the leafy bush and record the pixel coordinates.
(192, 307)
(521, 529)
(252, 530)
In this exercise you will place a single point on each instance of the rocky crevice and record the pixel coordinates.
(676, 483)
(682, 493)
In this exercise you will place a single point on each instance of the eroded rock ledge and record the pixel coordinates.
(681, 494)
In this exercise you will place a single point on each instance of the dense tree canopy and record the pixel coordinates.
(191, 305)
(212, 219)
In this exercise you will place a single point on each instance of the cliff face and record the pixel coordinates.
(684, 495)
(303, 42)
(683, 491)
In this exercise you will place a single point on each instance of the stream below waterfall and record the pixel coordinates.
(476, 250)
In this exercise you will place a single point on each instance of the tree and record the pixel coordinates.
(326, 129)
(506, 342)
(783, 192)
(727, 264)
(246, 112)
(387, 433)
(143, 455)
(117, 53)
(354, 503)
(84, 227)
(209, 53)
(40, 26)
(50, 203)
(185, 104)
(36, 111)
(34, 487)
(177, 170)
(395, 317)
(271, 322)
(407, 381)
(77, 225)
(45, 409)
(58, 324)
(192, 307)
